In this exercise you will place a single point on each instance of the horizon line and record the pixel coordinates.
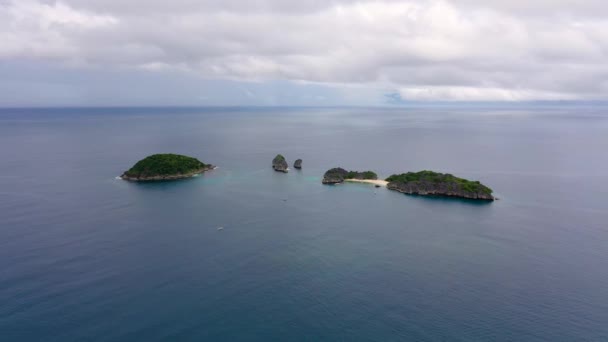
(386, 106)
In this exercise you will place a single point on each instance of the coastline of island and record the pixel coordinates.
(167, 177)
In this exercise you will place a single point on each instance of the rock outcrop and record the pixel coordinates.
(298, 164)
(334, 176)
(279, 164)
(428, 183)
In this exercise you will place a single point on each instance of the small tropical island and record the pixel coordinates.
(168, 166)
(429, 183)
(424, 183)
(339, 175)
(279, 164)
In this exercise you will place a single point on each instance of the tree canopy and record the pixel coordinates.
(165, 164)
(435, 177)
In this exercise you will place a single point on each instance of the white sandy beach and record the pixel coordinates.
(369, 181)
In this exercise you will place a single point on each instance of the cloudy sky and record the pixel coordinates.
(305, 52)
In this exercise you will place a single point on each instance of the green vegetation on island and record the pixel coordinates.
(338, 175)
(361, 175)
(441, 184)
(165, 167)
(278, 159)
(435, 177)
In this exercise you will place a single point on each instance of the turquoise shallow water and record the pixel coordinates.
(87, 257)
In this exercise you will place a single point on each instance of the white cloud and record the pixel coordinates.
(428, 49)
(459, 93)
(45, 16)
(31, 29)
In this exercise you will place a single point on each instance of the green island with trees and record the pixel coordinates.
(159, 167)
(438, 184)
(168, 166)
(361, 175)
(337, 175)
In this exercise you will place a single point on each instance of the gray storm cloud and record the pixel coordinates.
(425, 50)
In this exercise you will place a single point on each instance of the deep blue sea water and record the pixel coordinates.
(87, 257)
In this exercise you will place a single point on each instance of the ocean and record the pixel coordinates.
(243, 253)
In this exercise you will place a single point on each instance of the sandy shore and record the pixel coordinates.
(369, 181)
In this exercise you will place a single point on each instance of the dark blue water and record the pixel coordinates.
(87, 257)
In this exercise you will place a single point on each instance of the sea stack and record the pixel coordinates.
(279, 164)
(298, 164)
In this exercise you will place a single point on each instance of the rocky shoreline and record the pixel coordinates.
(167, 177)
(441, 190)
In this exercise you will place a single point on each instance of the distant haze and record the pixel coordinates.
(306, 52)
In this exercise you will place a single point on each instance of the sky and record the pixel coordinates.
(305, 52)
